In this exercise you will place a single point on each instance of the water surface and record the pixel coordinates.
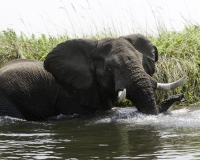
(118, 134)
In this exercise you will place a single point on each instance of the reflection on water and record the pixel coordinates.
(118, 134)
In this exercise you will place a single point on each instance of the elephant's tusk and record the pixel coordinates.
(122, 95)
(173, 85)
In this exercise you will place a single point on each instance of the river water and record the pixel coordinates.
(118, 134)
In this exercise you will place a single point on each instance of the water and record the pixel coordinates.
(117, 134)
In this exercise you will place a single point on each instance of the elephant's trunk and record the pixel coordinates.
(141, 93)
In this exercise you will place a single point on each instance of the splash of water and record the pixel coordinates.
(181, 117)
(188, 116)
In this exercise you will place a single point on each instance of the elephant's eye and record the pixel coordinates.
(109, 69)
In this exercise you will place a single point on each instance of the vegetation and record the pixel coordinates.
(179, 55)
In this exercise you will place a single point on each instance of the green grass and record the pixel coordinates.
(179, 55)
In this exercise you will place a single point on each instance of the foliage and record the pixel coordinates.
(178, 56)
(13, 46)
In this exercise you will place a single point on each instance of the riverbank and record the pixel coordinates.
(179, 55)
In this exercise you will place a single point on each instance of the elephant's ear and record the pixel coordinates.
(148, 50)
(71, 65)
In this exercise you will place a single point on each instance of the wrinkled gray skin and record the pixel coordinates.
(81, 76)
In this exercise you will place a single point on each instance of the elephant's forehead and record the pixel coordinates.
(116, 49)
(123, 58)
(119, 60)
(113, 45)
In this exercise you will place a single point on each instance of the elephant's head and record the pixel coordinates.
(95, 71)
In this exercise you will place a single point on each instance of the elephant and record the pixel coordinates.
(82, 76)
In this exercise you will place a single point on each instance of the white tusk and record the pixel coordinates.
(173, 85)
(122, 95)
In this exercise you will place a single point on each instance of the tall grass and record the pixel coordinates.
(178, 56)
(13, 46)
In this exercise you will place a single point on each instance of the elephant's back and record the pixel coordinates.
(30, 87)
(19, 61)
(20, 66)
(24, 74)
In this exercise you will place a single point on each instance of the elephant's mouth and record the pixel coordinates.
(160, 86)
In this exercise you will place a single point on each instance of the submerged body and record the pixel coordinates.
(82, 76)
(29, 92)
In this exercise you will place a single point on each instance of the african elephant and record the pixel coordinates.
(82, 76)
